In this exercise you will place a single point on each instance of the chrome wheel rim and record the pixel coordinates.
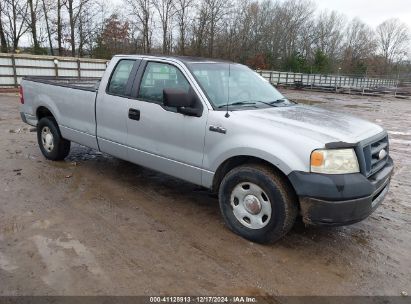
(251, 205)
(47, 139)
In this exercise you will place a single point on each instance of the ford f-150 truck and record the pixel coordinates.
(220, 125)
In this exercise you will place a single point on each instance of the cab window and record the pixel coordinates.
(119, 78)
(159, 76)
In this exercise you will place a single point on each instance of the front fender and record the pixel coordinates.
(285, 158)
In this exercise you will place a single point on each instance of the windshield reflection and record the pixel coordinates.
(236, 85)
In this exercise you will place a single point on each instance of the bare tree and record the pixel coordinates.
(3, 39)
(103, 12)
(142, 9)
(252, 30)
(86, 27)
(32, 24)
(393, 39)
(75, 10)
(292, 16)
(70, 8)
(226, 41)
(200, 30)
(166, 11)
(359, 46)
(60, 4)
(16, 14)
(207, 25)
(182, 14)
(329, 33)
(216, 10)
(46, 21)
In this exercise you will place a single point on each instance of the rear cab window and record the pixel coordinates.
(120, 77)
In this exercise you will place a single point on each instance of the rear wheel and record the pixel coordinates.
(52, 145)
(257, 203)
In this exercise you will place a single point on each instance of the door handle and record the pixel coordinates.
(134, 114)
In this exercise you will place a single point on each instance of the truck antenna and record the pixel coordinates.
(228, 91)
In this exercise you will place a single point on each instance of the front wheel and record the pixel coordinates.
(257, 203)
(52, 145)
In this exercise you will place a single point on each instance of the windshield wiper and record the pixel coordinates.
(279, 100)
(253, 102)
(275, 102)
(269, 103)
(237, 103)
(272, 103)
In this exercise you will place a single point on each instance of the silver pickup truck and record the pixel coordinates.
(220, 125)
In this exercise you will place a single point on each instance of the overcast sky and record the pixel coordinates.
(372, 12)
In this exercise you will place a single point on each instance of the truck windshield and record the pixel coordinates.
(236, 85)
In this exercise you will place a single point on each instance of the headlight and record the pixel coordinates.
(335, 161)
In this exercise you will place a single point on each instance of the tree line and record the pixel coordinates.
(287, 35)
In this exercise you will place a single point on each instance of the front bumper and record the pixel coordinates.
(336, 200)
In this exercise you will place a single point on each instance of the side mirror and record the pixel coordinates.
(184, 102)
(176, 98)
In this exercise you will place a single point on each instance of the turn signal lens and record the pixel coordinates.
(317, 158)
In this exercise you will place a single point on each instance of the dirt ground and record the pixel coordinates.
(96, 225)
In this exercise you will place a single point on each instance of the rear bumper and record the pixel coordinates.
(335, 200)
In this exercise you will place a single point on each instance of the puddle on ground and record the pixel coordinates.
(357, 106)
(80, 153)
(399, 133)
(401, 141)
(5, 264)
(41, 224)
(62, 257)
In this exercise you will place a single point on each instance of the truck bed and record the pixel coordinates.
(84, 83)
(71, 101)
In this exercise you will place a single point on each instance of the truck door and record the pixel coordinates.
(112, 106)
(158, 136)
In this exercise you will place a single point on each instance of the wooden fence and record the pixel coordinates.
(330, 82)
(13, 67)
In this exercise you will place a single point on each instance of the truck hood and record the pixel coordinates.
(319, 124)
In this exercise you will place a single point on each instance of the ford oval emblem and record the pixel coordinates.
(382, 154)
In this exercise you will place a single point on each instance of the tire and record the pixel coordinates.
(257, 203)
(52, 145)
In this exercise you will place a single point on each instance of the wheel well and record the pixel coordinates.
(43, 112)
(236, 161)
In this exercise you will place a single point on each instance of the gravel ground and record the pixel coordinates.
(96, 225)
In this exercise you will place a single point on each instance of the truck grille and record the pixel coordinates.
(373, 162)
